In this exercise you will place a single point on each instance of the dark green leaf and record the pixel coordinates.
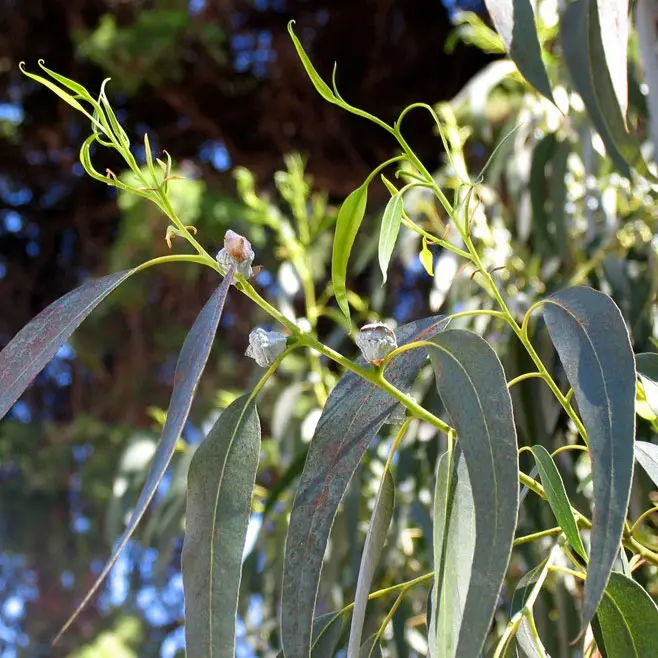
(389, 231)
(647, 456)
(191, 363)
(38, 341)
(558, 195)
(471, 383)
(557, 497)
(647, 369)
(454, 544)
(591, 338)
(348, 222)
(583, 49)
(626, 622)
(372, 550)
(320, 85)
(514, 21)
(220, 483)
(352, 416)
(541, 157)
(327, 630)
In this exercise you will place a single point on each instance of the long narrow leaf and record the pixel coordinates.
(647, 456)
(514, 21)
(591, 339)
(557, 497)
(626, 623)
(220, 484)
(647, 370)
(372, 550)
(352, 416)
(471, 383)
(389, 231)
(348, 223)
(454, 545)
(191, 363)
(37, 343)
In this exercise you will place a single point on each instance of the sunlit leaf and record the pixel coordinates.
(472, 386)
(375, 539)
(454, 544)
(524, 637)
(514, 21)
(647, 370)
(426, 258)
(39, 340)
(557, 497)
(191, 363)
(647, 456)
(591, 339)
(626, 622)
(220, 483)
(320, 85)
(389, 232)
(352, 416)
(583, 49)
(348, 222)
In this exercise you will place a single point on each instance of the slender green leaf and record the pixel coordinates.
(389, 232)
(541, 157)
(39, 340)
(647, 370)
(471, 383)
(614, 29)
(626, 622)
(591, 339)
(348, 222)
(372, 550)
(647, 456)
(220, 484)
(352, 416)
(558, 195)
(189, 368)
(320, 85)
(426, 259)
(524, 637)
(557, 497)
(514, 21)
(583, 49)
(454, 545)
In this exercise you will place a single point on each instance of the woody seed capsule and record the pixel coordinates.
(265, 346)
(237, 249)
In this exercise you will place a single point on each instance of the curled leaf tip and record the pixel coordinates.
(376, 341)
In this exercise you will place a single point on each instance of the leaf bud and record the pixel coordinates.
(265, 346)
(376, 341)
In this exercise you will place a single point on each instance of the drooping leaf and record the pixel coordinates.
(454, 544)
(348, 222)
(591, 339)
(514, 21)
(327, 630)
(557, 497)
(541, 157)
(39, 340)
(191, 363)
(220, 483)
(647, 456)
(471, 383)
(426, 258)
(389, 231)
(580, 32)
(352, 416)
(614, 28)
(626, 622)
(372, 550)
(524, 638)
(647, 370)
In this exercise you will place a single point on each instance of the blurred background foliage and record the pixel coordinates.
(218, 84)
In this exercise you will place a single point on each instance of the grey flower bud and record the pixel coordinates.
(265, 346)
(237, 249)
(376, 341)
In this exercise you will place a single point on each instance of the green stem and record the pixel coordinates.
(537, 535)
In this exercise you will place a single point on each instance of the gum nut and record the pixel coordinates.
(376, 342)
(225, 260)
(238, 247)
(265, 346)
